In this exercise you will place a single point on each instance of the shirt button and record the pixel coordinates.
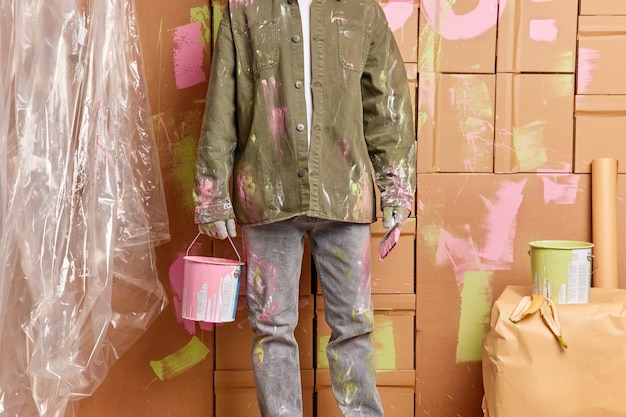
(302, 172)
(298, 84)
(295, 38)
(300, 127)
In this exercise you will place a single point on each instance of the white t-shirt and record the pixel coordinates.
(305, 12)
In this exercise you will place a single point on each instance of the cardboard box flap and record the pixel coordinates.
(602, 7)
(601, 103)
(601, 25)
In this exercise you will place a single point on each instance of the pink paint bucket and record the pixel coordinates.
(211, 287)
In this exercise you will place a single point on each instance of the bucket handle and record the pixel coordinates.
(594, 265)
(229, 239)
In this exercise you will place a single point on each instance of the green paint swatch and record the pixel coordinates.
(385, 344)
(475, 312)
(179, 362)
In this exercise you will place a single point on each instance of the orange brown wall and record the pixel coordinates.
(515, 99)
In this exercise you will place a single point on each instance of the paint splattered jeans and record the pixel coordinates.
(341, 252)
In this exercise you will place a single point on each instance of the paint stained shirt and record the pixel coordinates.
(253, 144)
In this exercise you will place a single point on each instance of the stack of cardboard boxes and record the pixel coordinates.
(601, 85)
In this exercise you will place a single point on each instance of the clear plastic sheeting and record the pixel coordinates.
(82, 203)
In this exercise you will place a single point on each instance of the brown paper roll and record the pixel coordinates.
(604, 222)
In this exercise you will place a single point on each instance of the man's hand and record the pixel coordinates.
(393, 215)
(220, 229)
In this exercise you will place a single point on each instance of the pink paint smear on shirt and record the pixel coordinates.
(188, 55)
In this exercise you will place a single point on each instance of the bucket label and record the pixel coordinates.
(230, 291)
(561, 273)
(210, 291)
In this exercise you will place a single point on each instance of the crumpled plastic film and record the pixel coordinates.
(82, 201)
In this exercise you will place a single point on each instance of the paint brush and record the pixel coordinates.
(389, 241)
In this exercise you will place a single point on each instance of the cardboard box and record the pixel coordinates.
(458, 37)
(602, 7)
(403, 20)
(534, 126)
(396, 273)
(396, 389)
(456, 117)
(600, 125)
(235, 394)
(394, 337)
(601, 40)
(473, 233)
(233, 340)
(537, 36)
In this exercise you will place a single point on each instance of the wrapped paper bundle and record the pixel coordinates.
(527, 372)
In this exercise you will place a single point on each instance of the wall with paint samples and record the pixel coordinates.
(515, 98)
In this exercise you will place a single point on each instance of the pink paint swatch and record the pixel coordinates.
(398, 13)
(543, 30)
(562, 190)
(188, 55)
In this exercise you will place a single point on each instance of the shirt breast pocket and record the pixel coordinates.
(354, 42)
(257, 45)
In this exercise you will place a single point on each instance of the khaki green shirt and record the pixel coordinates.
(255, 134)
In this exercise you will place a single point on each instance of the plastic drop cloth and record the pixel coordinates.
(82, 205)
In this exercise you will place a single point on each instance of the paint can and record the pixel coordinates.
(211, 287)
(561, 270)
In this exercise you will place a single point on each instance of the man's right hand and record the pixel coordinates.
(220, 229)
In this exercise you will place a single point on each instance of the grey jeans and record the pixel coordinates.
(341, 252)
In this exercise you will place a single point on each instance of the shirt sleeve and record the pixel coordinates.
(388, 118)
(218, 137)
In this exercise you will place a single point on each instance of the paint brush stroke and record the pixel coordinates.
(188, 55)
(398, 12)
(385, 344)
(476, 299)
(181, 361)
(587, 65)
(501, 224)
(441, 16)
(560, 189)
(460, 251)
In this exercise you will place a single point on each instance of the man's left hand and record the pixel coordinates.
(394, 215)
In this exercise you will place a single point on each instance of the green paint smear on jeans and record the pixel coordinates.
(475, 312)
(384, 345)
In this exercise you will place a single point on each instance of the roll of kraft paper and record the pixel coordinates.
(604, 222)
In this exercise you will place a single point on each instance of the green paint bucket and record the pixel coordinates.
(561, 270)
